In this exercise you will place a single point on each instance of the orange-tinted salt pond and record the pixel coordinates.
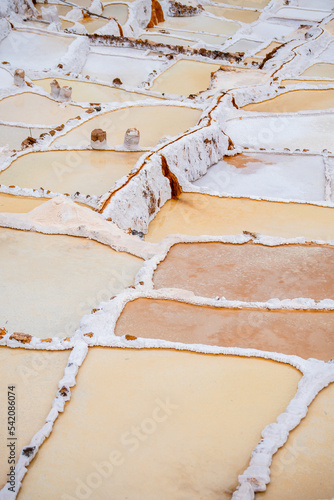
(89, 172)
(36, 109)
(153, 122)
(304, 333)
(19, 204)
(35, 375)
(295, 100)
(249, 272)
(167, 425)
(48, 282)
(303, 468)
(320, 70)
(198, 214)
(243, 15)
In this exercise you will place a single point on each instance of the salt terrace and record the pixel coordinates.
(166, 249)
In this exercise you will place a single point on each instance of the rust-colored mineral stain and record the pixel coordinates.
(171, 425)
(242, 161)
(295, 100)
(304, 333)
(249, 272)
(197, 214)
(303, 468)
(35, 375)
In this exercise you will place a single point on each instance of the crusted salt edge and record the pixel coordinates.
(76, 358)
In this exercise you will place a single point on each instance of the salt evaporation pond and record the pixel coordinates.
(168, 40)
(185, 78)
(254, 4)
(198, 214)
(13, 136)
(50, 281)
(118, 10)
(244, 45)
(244, 15)
(252, 273)
(200, 23)
(303, 467)
(177, 452)
(19, 204)
(320, 70)
(229, 78)
(289, 177)
(35, 375)
(131, 71)
(153, 123)
(34, 51)
(246, 328)
(89, 172)
(36, 110)
(195, 36)
(6, 79)
(93, 92)
(311, 131)
(293, 101)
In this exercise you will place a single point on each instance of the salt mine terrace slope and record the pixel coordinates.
(249, 272)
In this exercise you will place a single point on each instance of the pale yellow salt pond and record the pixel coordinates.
(49, 282)
(93, 92)
(192, 36)
(185, 77)
(153, 123)
(254, 4)
(243, 45)
(62, 9)
(243, 15)
(92, 24)
(201, 23)
(252, 273)
(309, 82)
(167, 425)
(302, 333)
(303, 468)
(294, 101)
(19, 204)
(90, 172)
(13, 136)
(35, 375)
(197, 214)
(330, 27)
(167, 40)
(320, 70)
(36, 110)
(120, 11)
(272, 46)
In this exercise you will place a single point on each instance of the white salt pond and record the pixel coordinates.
(6, 79)
(13, 136)
(87, 172)
(153, 122)
(201, 23)
(311, 131)
(165, 39)
(33, 51)
(131, 71)
(48, 282)
(268, 176)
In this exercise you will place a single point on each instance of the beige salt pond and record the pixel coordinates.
(200, 23)
(243, 15)
(19, 204)
(35, 375)
(63, 10)
(294, 101)
(254, 4)
(198, 214)
(303, 333)
(153, 122)
(120, 11)
(320, 70)
(167, 40)
(93, 92)
(185, 77)
(303, 467)
(153, 438)
(249, 272)
(244, 45)
(50, 281)
(93, 24)
(89, 172)
(13, 136)
(36, 109)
